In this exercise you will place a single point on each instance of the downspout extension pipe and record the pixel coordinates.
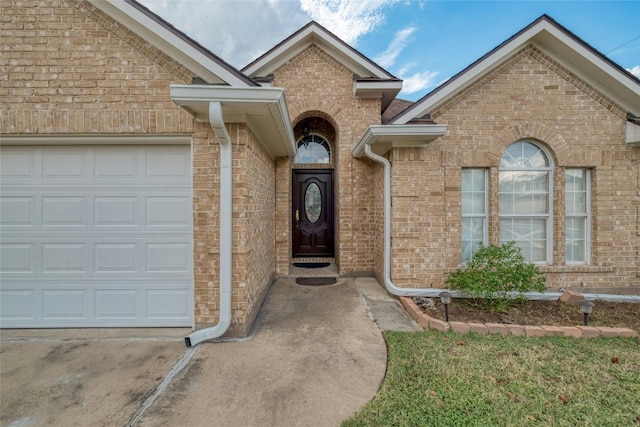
(435, 292)
(226, 228)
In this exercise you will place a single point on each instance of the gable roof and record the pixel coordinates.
(370, 80)
(173, 42)
(556, 41)
(314, 33)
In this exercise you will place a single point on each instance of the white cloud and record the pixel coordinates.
(417, 82)
(347, 19)
(400, 40)
(635, 71)
(236, 30)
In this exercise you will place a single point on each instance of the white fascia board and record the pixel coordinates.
(382, 138)
(93, 139)
(263, 109)
(633, 134)
(314, 35)
(256, 94)
(375, 89)
(167, 42)
(549, 38)
(386, 90)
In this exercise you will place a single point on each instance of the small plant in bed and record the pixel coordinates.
(497, 275)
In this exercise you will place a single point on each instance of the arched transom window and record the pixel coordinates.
(313, 149)
(525, 200)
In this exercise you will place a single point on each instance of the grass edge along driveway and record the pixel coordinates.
(447, 379)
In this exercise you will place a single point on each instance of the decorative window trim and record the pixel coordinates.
(586, 216)
(314, 138)
(548, 216)
(484, 216)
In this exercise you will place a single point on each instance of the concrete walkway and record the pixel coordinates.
(317, 356)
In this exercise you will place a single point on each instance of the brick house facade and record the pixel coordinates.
(94, 80)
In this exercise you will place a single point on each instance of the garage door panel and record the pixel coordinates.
(166, 208)
(112, 163)
(116, 258)
(19, 165)
(124, 304)
(171, 164)
(168, 257)
(18, 304)
(64, 210)
(96, 236)
(116, 211)
(64, 163)
(17, 211)
(117, 303)
(132, 255)
(17, 258)
(168, 211)
(65, 304)
(65, 258)
(168, 304)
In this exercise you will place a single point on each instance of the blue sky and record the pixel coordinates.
(424, 42)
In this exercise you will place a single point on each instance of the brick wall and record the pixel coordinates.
(206, 226)
(530, 96)
(318, 86)
(254, 227)
(68, 68)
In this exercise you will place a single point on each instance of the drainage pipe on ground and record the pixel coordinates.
(226, 227)
(435, 292)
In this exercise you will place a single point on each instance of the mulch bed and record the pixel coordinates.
(535, 313)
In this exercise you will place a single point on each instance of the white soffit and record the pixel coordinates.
(184, 50)
(263, 109)
(382, 138)
(561, 45)
(313, 33)
(386, 90)
(633, 134)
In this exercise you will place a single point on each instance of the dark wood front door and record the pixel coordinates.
(312, 212)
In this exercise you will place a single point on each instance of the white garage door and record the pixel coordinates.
(97, 236)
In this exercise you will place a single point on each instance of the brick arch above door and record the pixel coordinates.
(318, 123)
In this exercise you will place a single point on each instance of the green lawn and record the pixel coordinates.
(447, 379)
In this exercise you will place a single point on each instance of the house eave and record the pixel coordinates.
(315, 34)
(262, 109)
(633, 134)
(564, 47)
(385, 90)
(383, 138)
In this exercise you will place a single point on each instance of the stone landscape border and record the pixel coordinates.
(428, 322)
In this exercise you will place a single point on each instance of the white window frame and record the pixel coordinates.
(549, 216)
(314, 138)
(586, 216)
(484, 217)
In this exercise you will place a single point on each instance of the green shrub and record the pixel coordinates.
(494, 272)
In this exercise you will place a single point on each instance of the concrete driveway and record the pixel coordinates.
(81, 377)
(317, 357)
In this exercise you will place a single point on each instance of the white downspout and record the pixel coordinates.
(391, 287)
(435, 292)
(226, 228)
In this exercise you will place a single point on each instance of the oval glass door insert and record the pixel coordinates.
(313, 202)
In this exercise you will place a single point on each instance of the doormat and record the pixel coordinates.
(316, 281)
(311, 264)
